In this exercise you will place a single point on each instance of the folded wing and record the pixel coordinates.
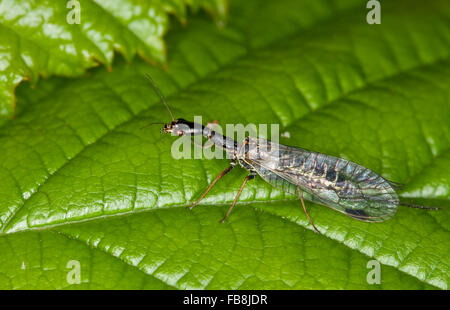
(337, 183)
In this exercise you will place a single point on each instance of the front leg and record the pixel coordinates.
(225, 171)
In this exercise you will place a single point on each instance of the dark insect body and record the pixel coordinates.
(345, 186)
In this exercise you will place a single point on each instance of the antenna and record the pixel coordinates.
(159, 94)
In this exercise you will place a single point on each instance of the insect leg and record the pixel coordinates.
(300, 195)
(247, 178)
(233, 163)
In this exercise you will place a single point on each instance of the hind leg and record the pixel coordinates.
(300, 195)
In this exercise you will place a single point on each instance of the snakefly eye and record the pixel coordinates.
(167, 128)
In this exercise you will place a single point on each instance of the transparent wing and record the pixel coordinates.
(337, 183)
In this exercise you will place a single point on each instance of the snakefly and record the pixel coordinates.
(335, 182)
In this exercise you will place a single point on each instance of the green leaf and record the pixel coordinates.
(80, 181)
(45, 38)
